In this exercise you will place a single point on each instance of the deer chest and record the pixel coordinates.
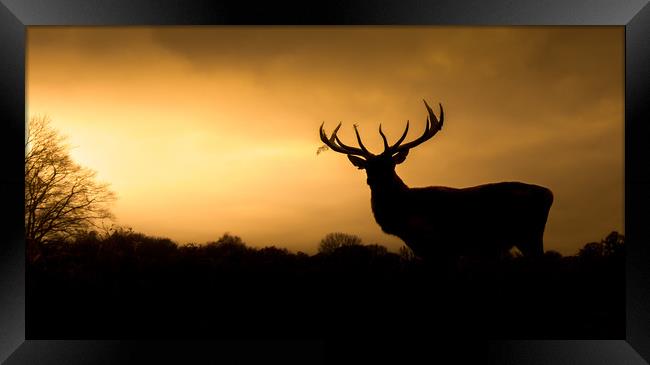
(393, 218)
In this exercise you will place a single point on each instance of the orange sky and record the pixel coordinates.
(206, 130)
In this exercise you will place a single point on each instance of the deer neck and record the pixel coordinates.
(388, 186)
(386, 197)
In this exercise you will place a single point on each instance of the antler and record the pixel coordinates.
(432, 127)
(335, 143)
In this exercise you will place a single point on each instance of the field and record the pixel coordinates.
(128, 285)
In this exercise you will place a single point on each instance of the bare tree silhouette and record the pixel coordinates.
(61, 197)
(442, 222)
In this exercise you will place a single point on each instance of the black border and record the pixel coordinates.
(15, 15)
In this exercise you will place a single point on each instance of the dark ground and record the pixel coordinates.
(130, 286)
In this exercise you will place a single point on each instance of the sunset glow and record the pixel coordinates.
(207, 130)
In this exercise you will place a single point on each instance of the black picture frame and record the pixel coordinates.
(16, 15)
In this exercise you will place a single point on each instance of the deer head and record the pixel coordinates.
(381, 168)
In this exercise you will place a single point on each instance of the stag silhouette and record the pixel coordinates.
(440, 222)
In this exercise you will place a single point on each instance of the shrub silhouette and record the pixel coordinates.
(552, 255)
(406, 254)
(592, 250)
(614, 244)
(129, 285)
(332, 241)
(611, 246)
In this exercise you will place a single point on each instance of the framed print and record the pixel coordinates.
(188, 182)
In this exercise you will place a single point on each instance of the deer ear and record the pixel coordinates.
(357, 161)
(400, 157)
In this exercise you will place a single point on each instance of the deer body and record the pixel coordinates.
(440, 222)
(486, 220)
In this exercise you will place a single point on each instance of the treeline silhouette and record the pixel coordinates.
(129, 285)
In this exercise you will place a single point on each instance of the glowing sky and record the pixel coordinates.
(206, 130)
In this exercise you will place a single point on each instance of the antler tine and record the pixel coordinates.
(406, 130)
(356, 131)
(438, 123)
(383, 136)
(442, 116)
(432, 127)
(394, 147)
(335, 143)
(349, 148)
(329, 142)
